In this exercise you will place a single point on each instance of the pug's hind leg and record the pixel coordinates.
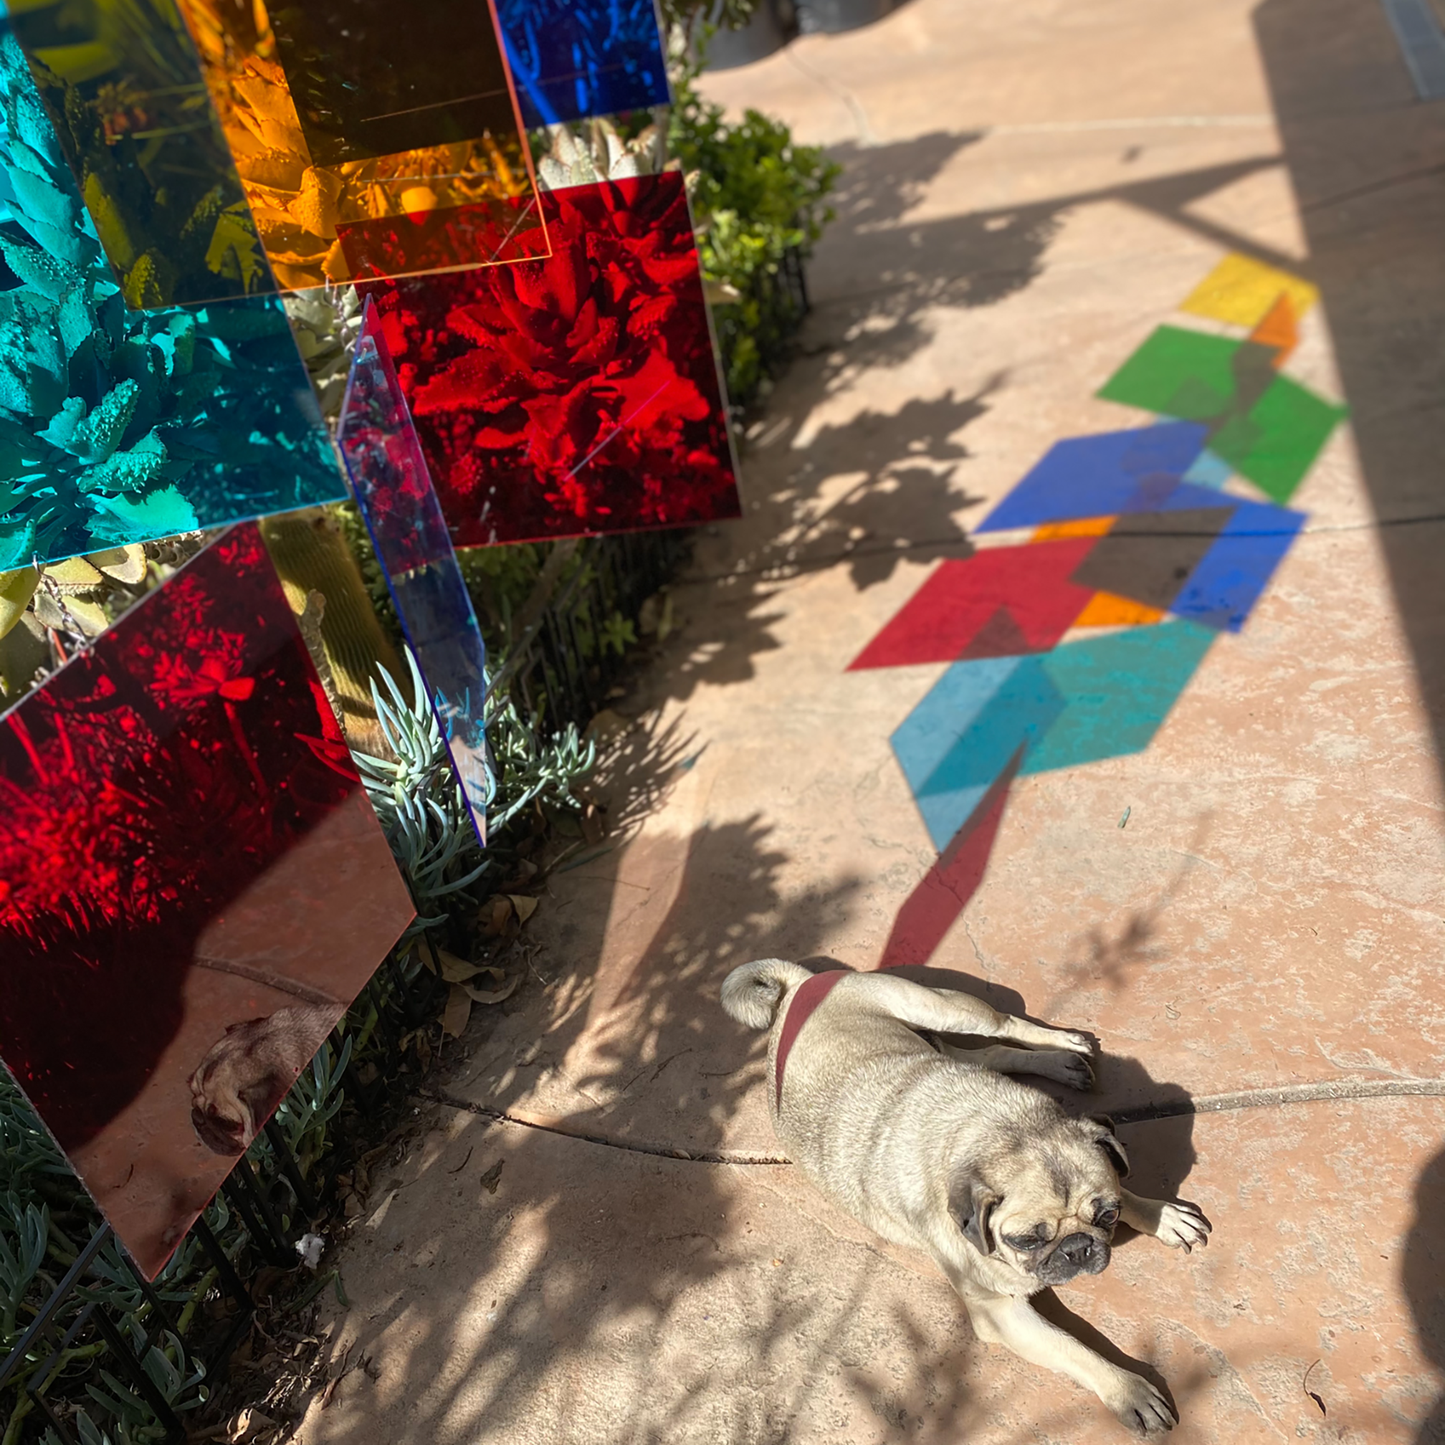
(1056, 1064)
(1180, 1225)
(1001, 1320)
(947, 1011)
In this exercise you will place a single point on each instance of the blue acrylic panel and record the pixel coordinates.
(1097, 476)
(1224, 587)
(394, 490)
(123, 426)
(576, 58)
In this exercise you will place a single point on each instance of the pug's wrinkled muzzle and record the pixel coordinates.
(1074, 1255)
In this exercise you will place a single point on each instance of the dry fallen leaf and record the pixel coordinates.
(494, 916)
(423, 952)
(454, 969)
(524, 905)
(492, 1177)
(248, 1425)
(492, 995)
(457, 1011)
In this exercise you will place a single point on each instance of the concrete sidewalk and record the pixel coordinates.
(1231, 871)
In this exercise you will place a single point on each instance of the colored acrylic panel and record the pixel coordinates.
(577, 58)
(1097, 476)
(120, 426)
(371, 80)
(1001, 602)
(1242, 291)
(122, 85)
(367, 149)
(195, 888)
(394, 490)
(1277, 441)
(576, 395)
(1149, 556)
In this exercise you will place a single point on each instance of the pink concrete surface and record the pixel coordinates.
(1028, 191)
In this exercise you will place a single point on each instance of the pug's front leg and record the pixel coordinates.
(1002, 1320)
(1180, 1225)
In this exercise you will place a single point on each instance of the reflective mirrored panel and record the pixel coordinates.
(575, 395)
(394, 490)
(195, 888)
(122, 86)
(576, 58)
(121, 426)
(370, 141)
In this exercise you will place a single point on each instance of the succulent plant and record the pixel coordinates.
(585, 152)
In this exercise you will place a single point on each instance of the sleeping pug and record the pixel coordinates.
(934, 1149)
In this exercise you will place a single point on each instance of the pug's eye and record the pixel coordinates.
(1107, 1218)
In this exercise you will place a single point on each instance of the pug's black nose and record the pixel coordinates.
(1078, 1249)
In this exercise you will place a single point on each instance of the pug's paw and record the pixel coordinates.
(1182, 1226)
(1074, 1070)
(1073, 1040)
(1139, 1406)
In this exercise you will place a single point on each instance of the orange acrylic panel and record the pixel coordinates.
(371, 141)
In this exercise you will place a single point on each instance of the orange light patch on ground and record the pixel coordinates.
(1104, 609)
(1075, 527)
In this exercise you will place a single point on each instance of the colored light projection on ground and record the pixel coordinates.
(122, 85)
(577, 58)
(394, 490)
(576, 395)
(195, 888)
(119, 426)
(1141, 532)
(371, 142)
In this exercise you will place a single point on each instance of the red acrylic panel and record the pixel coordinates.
(1001, 602)
(194, 889)
(577, 394)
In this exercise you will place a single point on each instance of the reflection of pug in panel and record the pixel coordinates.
(249, 1071)
(934, 1149)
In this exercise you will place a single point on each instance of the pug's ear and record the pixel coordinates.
(1103, 1129)
(971, 1204)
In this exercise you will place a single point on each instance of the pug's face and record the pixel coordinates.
(1049, 1206)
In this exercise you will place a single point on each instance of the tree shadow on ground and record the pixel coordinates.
(628, 1277)
(871, 487)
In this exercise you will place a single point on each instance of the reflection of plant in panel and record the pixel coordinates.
(299, 206)
(577, 394)
(575, 58)
(119, 426)
(121, 83)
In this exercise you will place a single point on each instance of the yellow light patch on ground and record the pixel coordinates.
(1242, 291)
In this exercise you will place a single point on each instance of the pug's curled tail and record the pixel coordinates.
(751, 993)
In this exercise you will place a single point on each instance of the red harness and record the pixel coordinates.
(811, 992)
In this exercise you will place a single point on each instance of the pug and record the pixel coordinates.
(249, 1070)
(932, 1147)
